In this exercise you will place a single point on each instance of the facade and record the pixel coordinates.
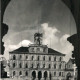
(3, 63)
(37, 62)
(71, 70)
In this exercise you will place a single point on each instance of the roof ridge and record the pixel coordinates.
(25, 49)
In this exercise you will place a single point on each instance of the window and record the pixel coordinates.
(20, 65)
(31, 65)
(44, 49)
(54, 66)
(32, 57)
(34, 74)
(54, 73)
(14, 73)
(59, 73)
(44, 58)
(26, 73)
(43, 65)
(20, 73)
(49, 66)
(60, 59)
(62, 74)
(38, 65)
(49, 58)
(32, 49)
(38, 49)
(38, 58)
(26, 66)
(45, 75)
(14, 57)
(69, 66)
(69, 74)
(60, 66)
(26, 57)
(20, 56)
(54, 58)
(14, 65)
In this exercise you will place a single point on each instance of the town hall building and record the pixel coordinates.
(37, 62)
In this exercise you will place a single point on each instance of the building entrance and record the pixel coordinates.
(39, 75)
(45, 75)
(33, 75)
(69, 76)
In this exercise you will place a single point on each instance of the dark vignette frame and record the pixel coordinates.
(74, 6)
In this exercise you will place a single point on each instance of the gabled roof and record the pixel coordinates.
(54, 52)
(21, 49)
(24, 50)
(71, 60)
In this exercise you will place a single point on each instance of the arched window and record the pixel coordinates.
(54, 66)
(39, 75)
(26, 73)
(20, 65)
(14, 73)
(54, 73)
(20, 73)
(26, 66)
(60, 59)
(45, 74)
(50, 76)
(60, 66)
(44, 58)
(14, 57)
(69, 74)
(14, 65)
(59, 73)
(54, 58)
(38, 58)
(34, 74)
(49, 58)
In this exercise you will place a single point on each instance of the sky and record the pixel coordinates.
(50, 17)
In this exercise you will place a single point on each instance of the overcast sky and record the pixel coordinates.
(52, 17)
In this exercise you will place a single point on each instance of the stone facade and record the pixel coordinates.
(29, 63)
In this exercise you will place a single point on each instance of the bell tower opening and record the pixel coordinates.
(38, 38)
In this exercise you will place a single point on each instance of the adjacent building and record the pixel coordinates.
(71, 70)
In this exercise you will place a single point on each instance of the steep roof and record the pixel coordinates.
(54, 52)
(25, 50)
(71, 60)
(21, 49)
